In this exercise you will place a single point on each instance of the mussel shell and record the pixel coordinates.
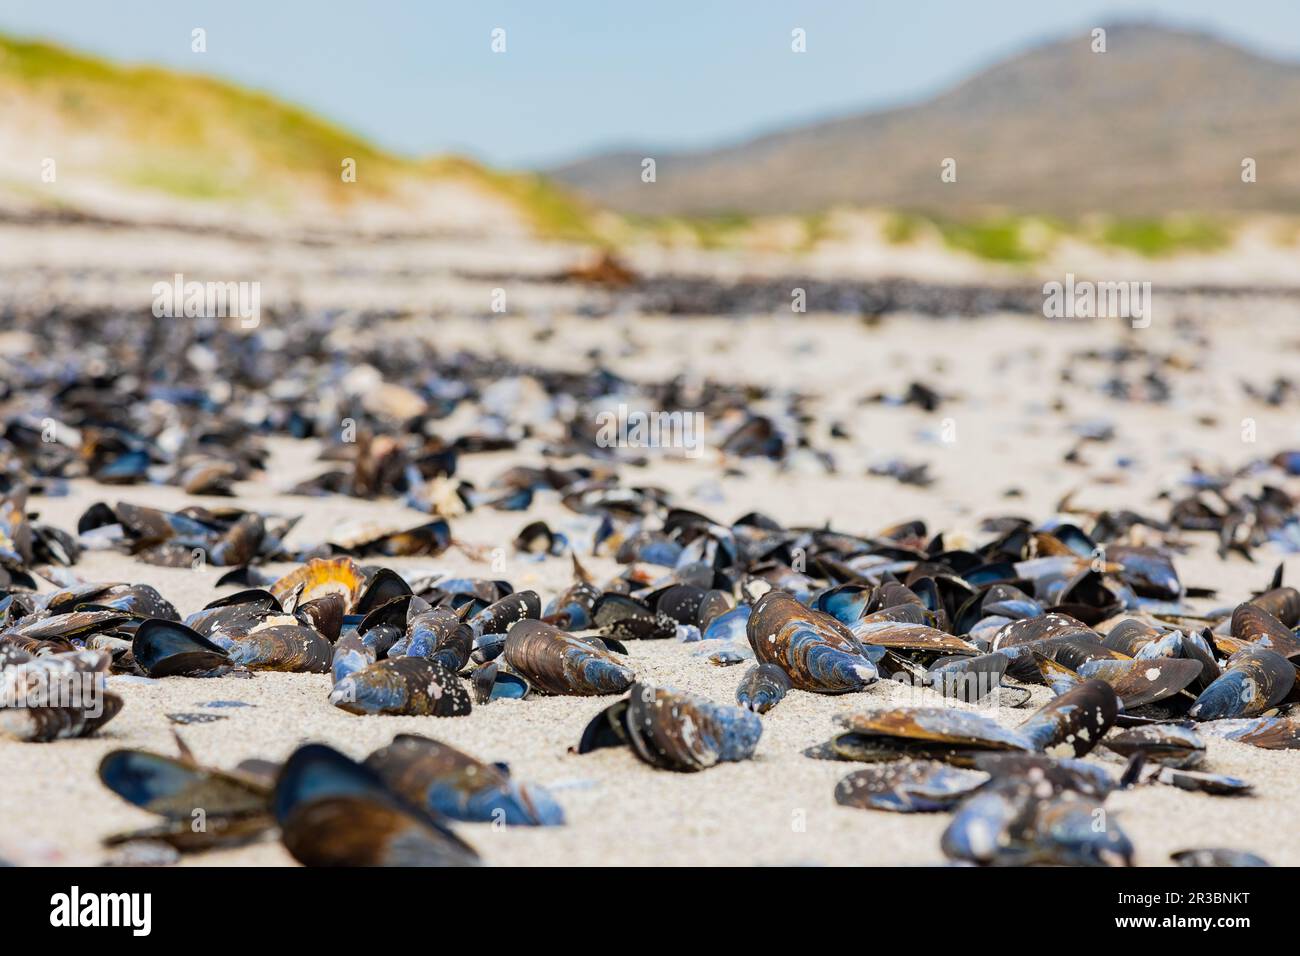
(762, 687)
(914, 786)
(1147, 571)
(537, 538)
(325, 614)
(845, 602)
(730, 654)
(571, 610)
(1130, 636)
(1079, 717)
(1065, 832)
(1040, 628)
(817, 652)
(432, 774)
(139, 600)
(1007, 823)
(500, 616)
(404, 686)
(1017, 609)
(1070, 651)
(909, 638)
(75, 625)
(71, 597)
(333, 811)
(487, 648)
(11, 654)
(382, 586)
(236, 615)
(968, 679)
(1172, 745)
(685, 732)
(713, 604)
(556, 662)
(680, 603)
(933, 729)
(1087, 598)
(1056, 676)
(43, 724)
(1281, 602)
(294, 648)
(321, 576)
(1254, 625)
(984, 825)
(349, 655)
(184, 837)
(1196, 781)
(891, 594)
(238, 545)
(1255, 681)
(1058, 774)
(433, 537)
(729, 625)
(1197, 648)
(625, 618)
(915, 614)
(166, 648)
(437, 633)
(1017, 639)
(1267, 733)
(175, 788)
(649, 547)
(1141, 682)
(607, 729)
(382, 639)
(453, 649)
(490, 683)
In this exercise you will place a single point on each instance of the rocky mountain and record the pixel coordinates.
(1158, 123)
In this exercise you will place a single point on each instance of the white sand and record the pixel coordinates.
(777, 808)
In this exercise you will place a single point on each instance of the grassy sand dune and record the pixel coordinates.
(195, 139)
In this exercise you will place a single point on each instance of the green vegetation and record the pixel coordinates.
(901, 229)
(998, 240)
(191, 135)
(719, 231)
(1022, 239)
(182, 179)
(1164, 237)
(1011, 239)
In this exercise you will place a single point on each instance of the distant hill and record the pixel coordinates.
(136, 139)
(1158, 124)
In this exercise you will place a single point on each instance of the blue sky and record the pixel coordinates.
(420, 77)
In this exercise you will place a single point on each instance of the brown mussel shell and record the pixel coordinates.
(675, 731)
(1172, 745)
(1254, 625)
(1255, 681)
(908, 786)
(294, 648)
(762, 687)
(557, 662)
(1142, 682)
(333, 811)
(402, 686)
(816, 651)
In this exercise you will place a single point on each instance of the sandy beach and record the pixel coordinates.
(1007, 413)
